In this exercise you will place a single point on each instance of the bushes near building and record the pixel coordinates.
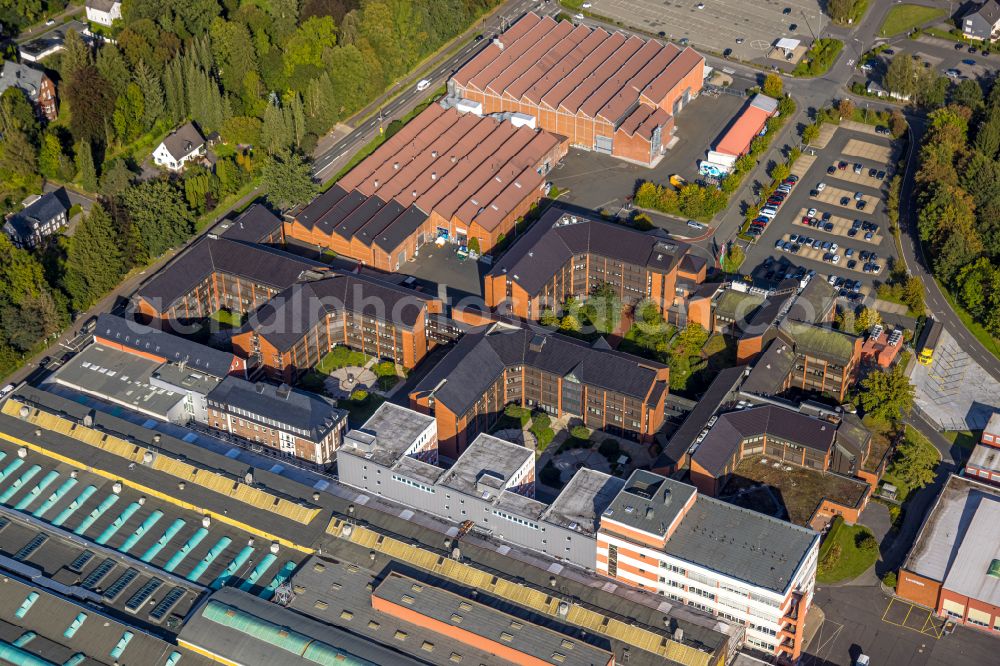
(819, 58)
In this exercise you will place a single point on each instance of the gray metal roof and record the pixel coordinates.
(288, 316)
(985, 457)
(560, 235)
(978, 554)
(948, 525)
(481, 355)
(173, 348)
(265, 633)
(491, 624)
(486, 466)
(51, 614)
(310, 412)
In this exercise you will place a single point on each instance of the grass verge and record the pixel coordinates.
(906, 17)
(819, 58)
(845, 553)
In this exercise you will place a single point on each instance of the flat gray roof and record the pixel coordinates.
(491, 624)
(249, 630)
(119, 376)
(336, 593)
(51, 614)
(947, 526)
(488, 462)
(976, 570)
(418, 469)
(739, 543)
(395, 429)
(527, 507)
(580, 504)
(985, 457)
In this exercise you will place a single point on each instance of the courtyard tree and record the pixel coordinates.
(887, 395)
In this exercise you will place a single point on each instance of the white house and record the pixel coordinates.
(182, 145)
(104, 12)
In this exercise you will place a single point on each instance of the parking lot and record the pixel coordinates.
(595, 181)
(716, 25)
(815, 227)
(940, 55)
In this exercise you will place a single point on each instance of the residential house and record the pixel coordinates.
(104, 12)
(47, 215)
(983, 22)
(35, 84)
(180, 147)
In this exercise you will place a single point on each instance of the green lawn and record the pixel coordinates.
(964, 438)
(227, 319)
(846, 561)
(903, 18)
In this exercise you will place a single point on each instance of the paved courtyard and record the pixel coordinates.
(719, 23)
(954, 391)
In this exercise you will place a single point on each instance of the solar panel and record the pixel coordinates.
(30, 547)
(143, 593)
(98, 574)
(77, 565)
(119, 585)
(166, 603)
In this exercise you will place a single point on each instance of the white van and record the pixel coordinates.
(423, 85)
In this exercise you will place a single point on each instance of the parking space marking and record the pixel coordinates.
(841, 225)
(862, 178)
(871, 151)
(836, 197)
(815, 254)
(924, 620)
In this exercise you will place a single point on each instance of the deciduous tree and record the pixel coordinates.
(887, 395)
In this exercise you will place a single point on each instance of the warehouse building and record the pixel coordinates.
(493, 366)
(444, 177)
(607, 92)
(567, 255)
(954, 565)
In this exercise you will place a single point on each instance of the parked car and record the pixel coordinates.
(842, 165)
(857, 167)
(880, 175)
(827, 215)
(828, 227)
(852, 264)
(952, 73)
(872, 172)
(820, 186)
(831, 169)
(858, 196)
(695, 225)
(861, 205)
(844, 201)
(811, 212)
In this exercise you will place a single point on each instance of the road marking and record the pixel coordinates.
(931, 625)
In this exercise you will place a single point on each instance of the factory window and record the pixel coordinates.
(400, 635)
(455, 658)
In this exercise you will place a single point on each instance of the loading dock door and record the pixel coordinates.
(603, 144)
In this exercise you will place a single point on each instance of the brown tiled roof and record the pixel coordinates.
(579, 70)
(442, 161)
